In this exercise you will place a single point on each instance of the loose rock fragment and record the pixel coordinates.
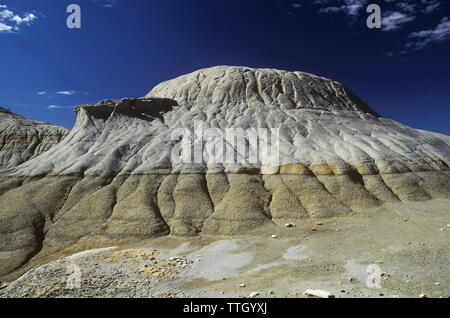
(318, 293)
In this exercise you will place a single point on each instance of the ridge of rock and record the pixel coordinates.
(111, 180)
(23, 139)
(236, 85)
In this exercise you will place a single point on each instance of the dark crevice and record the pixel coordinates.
(155, 205)
(269, 203)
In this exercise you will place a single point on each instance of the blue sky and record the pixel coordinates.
(124, 48)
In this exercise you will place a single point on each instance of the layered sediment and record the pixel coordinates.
(22, 139)
(112, 179)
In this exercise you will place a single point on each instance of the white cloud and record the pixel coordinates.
(42, 93)
(27, 19)
(349, 7)
(350, 10)
(393, 21)
(5, 27)
(57, 107)
(406, 6)
(431, 5)
(6, 14)
(297, 5)
(68, 93)
(330, 10)
(107, 3)
(9, 20)
(425, 38)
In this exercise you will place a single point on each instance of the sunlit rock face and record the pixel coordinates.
(113, 178)
(22, 139)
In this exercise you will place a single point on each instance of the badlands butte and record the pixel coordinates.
(110, 180)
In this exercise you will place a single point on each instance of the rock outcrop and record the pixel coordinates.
(22, 139)
(113, 179)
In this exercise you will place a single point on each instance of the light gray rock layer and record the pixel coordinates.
(23, 139)
(112, 181)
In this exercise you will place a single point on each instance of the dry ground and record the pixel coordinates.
(407, 243)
